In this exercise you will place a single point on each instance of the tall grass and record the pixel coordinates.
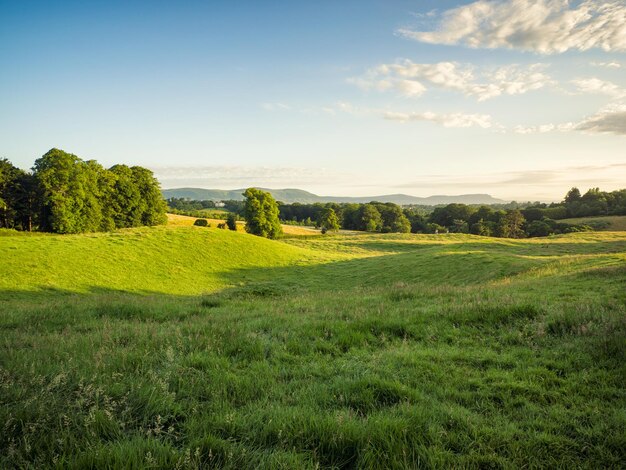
(351, 351)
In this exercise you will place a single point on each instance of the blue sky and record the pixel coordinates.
(519, 99)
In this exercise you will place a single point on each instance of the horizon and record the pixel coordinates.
(349, 100)
(433, 195)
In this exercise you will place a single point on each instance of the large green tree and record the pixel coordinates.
(261, 214)
(393, 218)
(10, 179)
(125, 198)
(152, 206)
(371, 221)
(328, 220)
(67, 185)
(511, 225)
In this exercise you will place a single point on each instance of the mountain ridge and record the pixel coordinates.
(292, 195)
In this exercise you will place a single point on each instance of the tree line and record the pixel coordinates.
(264, 215)
(64, 194)
(593, 203)
(533, 220)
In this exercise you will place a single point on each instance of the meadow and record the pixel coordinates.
(191, 347)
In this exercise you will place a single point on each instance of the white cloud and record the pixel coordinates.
(608, 65)
(410, 79)
(609, 120)
(543, 26)
(544, 128)
(445, 120)
(597, 86)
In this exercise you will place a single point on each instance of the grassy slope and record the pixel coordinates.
(617, 222)
(173, 260)
(353, 350)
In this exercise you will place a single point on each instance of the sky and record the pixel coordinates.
(519, 99)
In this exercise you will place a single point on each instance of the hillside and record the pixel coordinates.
(187, 347)
(605, 223)
(289, 196)
(174, 260)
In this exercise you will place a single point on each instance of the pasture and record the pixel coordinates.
(190, 347)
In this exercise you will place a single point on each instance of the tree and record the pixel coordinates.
(511, 225)
(27, 200)
(447, 215)
(328, 220)
(482, 228)
(371, 221)
(573, 195)
(261, 214)
(394, 219)
(10, 178)
(125, 199)
(416, 219)
(231, 221)
(539, 228)
(152, 206)
(67, 188)
(459, 226)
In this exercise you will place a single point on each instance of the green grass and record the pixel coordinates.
(613, 222)
(193, 348)
(172, 260)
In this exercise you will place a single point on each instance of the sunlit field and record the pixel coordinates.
(197, 347)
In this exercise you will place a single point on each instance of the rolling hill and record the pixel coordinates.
(289, 196)
(188, 347)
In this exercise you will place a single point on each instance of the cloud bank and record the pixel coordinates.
(542, 26)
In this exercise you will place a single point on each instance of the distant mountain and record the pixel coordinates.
(289, 196)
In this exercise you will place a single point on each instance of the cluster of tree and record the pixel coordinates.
(593, 203)
(371, 217)
(487, 221)
(188, 205)
(454, 218)
(65, 194)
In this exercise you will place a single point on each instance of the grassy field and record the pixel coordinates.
(615, 222)
(189, 347)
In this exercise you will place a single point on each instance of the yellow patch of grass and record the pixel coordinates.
(175, 220)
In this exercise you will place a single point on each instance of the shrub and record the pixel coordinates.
(202, 223)
(231, 221)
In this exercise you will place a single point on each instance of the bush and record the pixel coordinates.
(202, 223)
(231, 221)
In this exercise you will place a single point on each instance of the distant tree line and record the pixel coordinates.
(370, 217)
(532, 220)
(188, 205)
(64, 194)
(593, 203)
